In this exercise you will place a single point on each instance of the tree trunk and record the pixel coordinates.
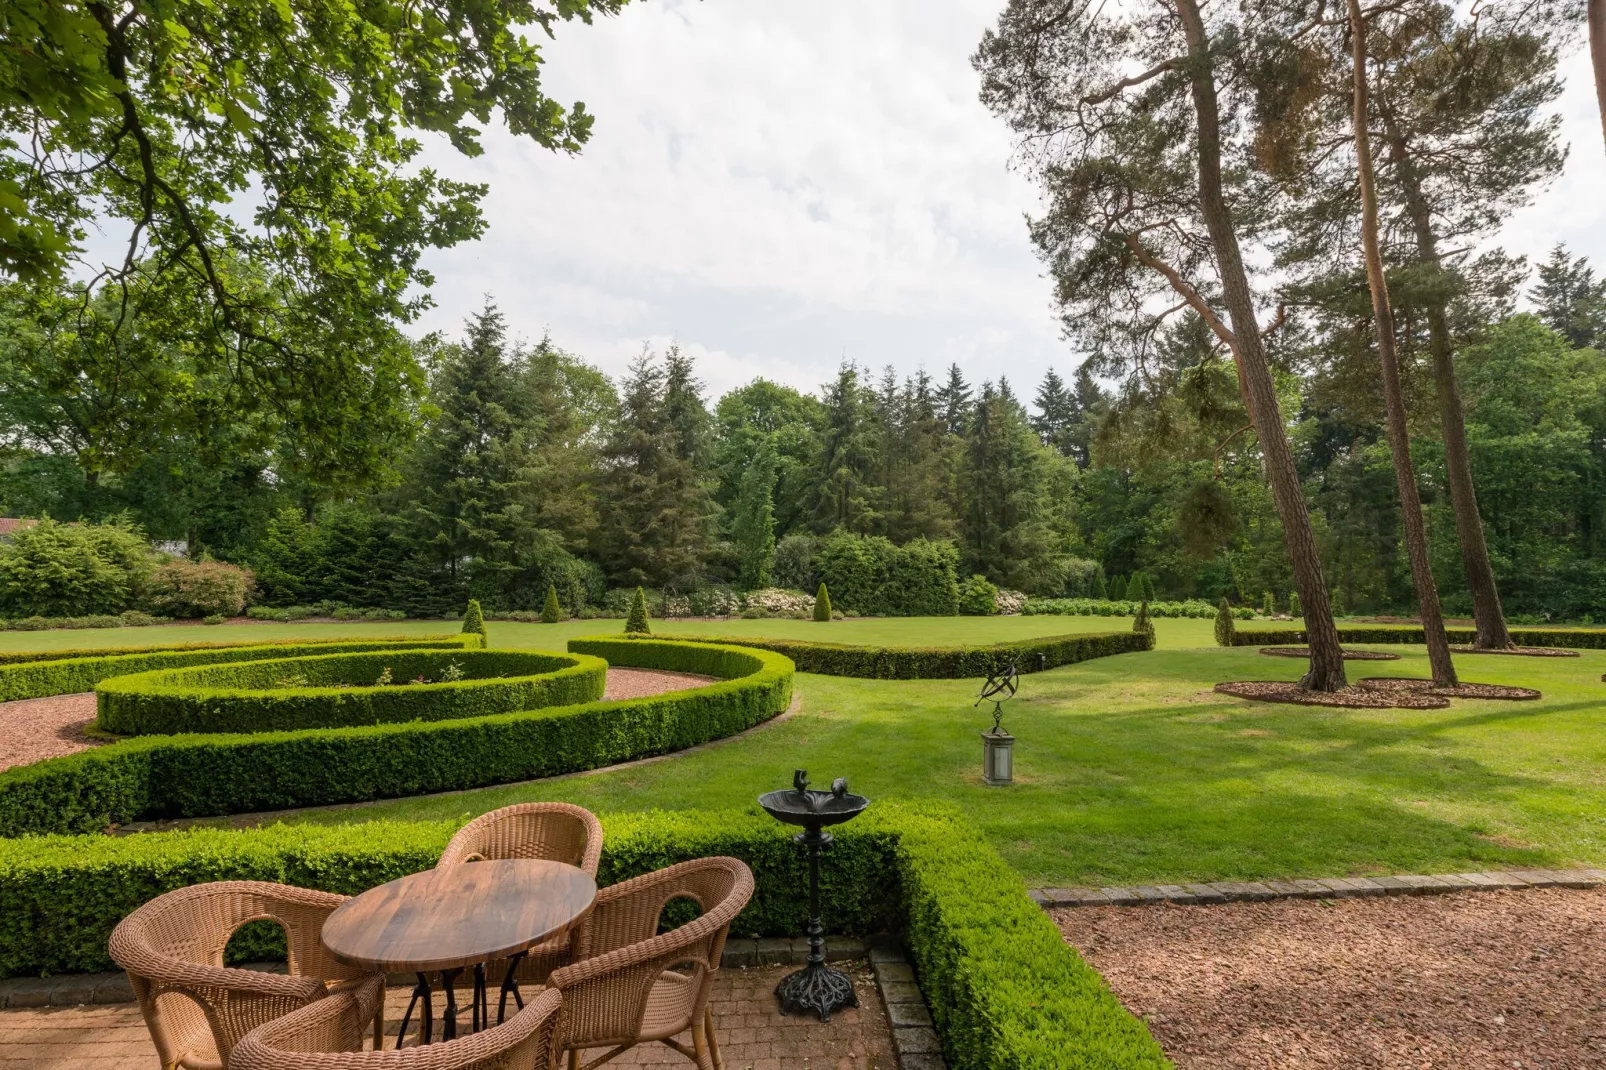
(1487, 615)
(1597, 55)
(1326, 655)
(1416, 541)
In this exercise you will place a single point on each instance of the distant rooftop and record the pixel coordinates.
(8, 524)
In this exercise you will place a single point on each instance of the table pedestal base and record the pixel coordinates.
(480, 1004)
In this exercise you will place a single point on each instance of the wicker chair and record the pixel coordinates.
(195, 1007)
(629, 984)
(327, 1035)
(556, 832)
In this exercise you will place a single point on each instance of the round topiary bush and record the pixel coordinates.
(342, 690)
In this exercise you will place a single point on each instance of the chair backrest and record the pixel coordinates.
(327, 1035)
(557, 832)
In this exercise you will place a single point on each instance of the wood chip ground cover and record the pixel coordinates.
(1349, 655)
(1354, 698)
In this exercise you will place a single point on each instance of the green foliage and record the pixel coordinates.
(939, 663)
(822, 604)
(1118, 589)
(551, 612)
(1268, 604)
(181, 588)
(1225, 628)
(636, 622)
(978, 597)
(1567, 638)
(1101, 589)
(788, 422)
(1571, 301)
(1091, 607)
(218, 774)
(128, 618)
(753, 524)
(870, 576)
(51, 569)
(1294, 608)
(329, 691)
(1141, 624)
(474, 622)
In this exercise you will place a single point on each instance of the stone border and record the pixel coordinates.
(914, 1036)
(1333, 888)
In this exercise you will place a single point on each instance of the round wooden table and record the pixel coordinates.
(443, 920)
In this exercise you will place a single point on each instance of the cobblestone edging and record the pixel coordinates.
(1334, 888)
(914, 1037)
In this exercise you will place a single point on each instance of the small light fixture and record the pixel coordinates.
(997, 745)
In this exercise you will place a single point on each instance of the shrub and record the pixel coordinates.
(822, 604)
(1141, 624)
(181, 588)
(869, 575)
(215, 618)
(978, 597)
(1268, 605)
(323, 691)
(1118, 589)
(211, 775)
(1568, 638)
(1294, 608)
(550, 612)
(129, 618)
(1092, 607)
(636, 622)
(51, 569)
(794, 562)
(773, 601)
(474, 622)
(1224, 624)
(1101, 589)
(1010, 602)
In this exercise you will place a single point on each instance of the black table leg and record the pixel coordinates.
(420, 992)
(482, 1013)
(449, 1021)
(510, 984)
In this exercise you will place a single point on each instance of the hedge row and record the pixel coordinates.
(1003, 987)
(1104, 607)
(1574, 638)
(212, 775)
(13, 657)
(286, 694)
(48, 675)
(938, 663)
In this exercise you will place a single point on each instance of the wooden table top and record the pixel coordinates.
(455, 916)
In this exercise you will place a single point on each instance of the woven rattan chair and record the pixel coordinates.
(629, 984)
(196, 1008)
(556, 832)
(327, 1035)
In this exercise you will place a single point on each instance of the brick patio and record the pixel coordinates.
(753, 1035)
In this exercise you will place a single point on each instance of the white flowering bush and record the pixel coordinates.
(1010, 602)
(778, 600)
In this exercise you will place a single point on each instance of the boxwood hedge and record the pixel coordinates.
(210, 775)
(1004, 989)
(936, 663)
(284, 694)
(69, 672)
(1574, 638)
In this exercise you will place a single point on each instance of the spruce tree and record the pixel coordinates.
(953, 401)
(753, 525)
(1118, 589)
(474, 622)
(1571, 301)
(1141, 624)
(1268, 604)
(1007, 483)
(1057, 416)
(1101, 588)
(551, 612)
(1226, 628)
(822, 604)
(1293, 604)
(636, 622)
(844, 480)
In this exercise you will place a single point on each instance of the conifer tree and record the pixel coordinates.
(845, 479)
(822, 604)
(1293, 605)
(1268, 604)
(636, 622)
(1057, 416)
(474, 622)
(1571, 300)
(1007, 522)
(1141, 624)
(1101, 588)
(1118, 589)
(551, 612)
(1226, 627)
(753, 525)
(953, 401)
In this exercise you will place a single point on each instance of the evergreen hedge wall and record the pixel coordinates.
(1572, 638)
(870, 576)
(259, 696)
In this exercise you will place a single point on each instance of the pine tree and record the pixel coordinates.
(1006, 484)
(822, 604)
(474, 622)
(1268, 605)
(1091, 403)
(636, 622)
(753, 525)
(1226, 628)
(1101, 588)
(551, 612)
(1570, 299)
(1057, 414)
(1118, 590)
(1141, 624)
(1293, 604)
(953, 401)
(844, 479)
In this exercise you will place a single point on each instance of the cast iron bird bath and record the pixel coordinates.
(815, 987)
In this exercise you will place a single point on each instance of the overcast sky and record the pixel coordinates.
(779, 186)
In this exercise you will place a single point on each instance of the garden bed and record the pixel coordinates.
(1353, 698)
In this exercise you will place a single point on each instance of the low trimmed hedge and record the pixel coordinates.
(1571, 638)
(213, 775)
(1104, 607)
(936, 663)
(257, 696)
(52, 673)
(1005, 990)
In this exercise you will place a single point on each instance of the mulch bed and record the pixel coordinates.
(1452, 982)
(33, 729)
(1462, 690)
(1350, 698)
(1349, 655)
(1520, 651)
(641, 683)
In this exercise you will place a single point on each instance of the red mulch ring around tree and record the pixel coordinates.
(1350, 698)
(1397, 684)
(1520, 651)
(1349, 655)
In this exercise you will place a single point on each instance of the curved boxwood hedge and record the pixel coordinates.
(936, 663)
(254, 696)
(212, 775)
(1005, 990)
(1573, 638)
(51, 673)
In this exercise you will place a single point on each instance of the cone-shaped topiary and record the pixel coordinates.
(1268, 605)
(1118, 590)
(1141, 624)
(822, 603)
(474, 621)
(1225, 628)
(636, 623)
(1101, 588)
(1294, 609)
(551, 613)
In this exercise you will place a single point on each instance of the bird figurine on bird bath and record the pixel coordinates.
(997, 745)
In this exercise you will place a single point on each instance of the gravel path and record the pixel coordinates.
(34, 729)
(1461, 982)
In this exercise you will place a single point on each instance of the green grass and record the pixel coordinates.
(1129, 769)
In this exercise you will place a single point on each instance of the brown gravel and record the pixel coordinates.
(33, 729)
(639, 683)
(1521, 651)
(1461, 690)
(1350, 698)
(1461, 982)
(1349, 655)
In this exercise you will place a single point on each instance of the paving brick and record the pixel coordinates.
(882, 952)
(1176, 893)
(894, 971)
(1504, 879)
(28, 992)
(1455, 881)
(916, 1041)
(1570, 878)
(840, 948)
(1366, 887)
(923, 1061)
(1538, 878)
(908, 1014)
(1424, 885)
(1148, 893)
(1122, 897)
(1480, 880)
(901, 992)
(1204, 893)
(1285, 889)
(740, 952)
(1337, 888)
(774, 951)
(1312, 889)
(1391, 885)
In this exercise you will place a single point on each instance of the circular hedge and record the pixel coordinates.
(344, 690)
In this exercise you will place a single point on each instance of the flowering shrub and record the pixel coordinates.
(779, 601)
(1010, 602)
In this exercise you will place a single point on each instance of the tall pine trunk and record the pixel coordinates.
(1326, 655)
(1597, 55)
(1416, 541)
(1487, 615)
